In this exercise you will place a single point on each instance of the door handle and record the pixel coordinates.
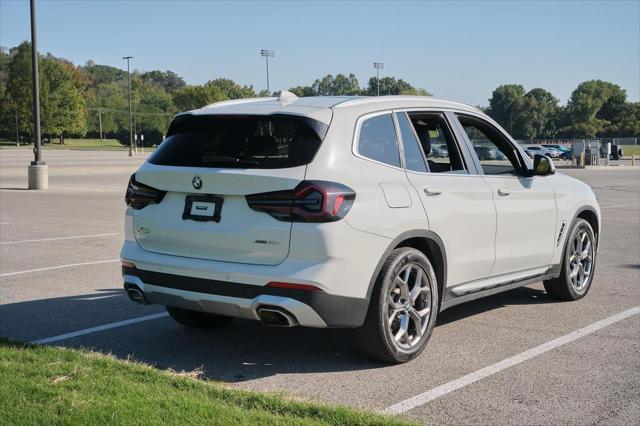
(432, 191)
(503, 192)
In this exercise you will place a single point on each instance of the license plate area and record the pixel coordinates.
(202, 208)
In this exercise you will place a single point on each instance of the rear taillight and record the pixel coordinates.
(310, 201)
(140, 195)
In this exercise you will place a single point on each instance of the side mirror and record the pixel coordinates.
(543, 165)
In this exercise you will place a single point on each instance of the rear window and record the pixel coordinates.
(248, 142)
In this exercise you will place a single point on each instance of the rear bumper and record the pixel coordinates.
(310, 308)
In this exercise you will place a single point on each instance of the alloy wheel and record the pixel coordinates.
(409, 306)
(580, 260)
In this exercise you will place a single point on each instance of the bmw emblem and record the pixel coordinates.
(197, 182)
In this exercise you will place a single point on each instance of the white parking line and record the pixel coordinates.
(70, 265)
(5, 223)
(104, 327)
(437, 392)
(73, 237)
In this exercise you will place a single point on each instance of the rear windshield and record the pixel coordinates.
(248, 142)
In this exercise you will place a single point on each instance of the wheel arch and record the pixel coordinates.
(589, 214)
(430, 244)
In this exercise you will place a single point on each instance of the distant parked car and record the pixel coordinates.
(564, 151)
(616, 152)
(532, 150)
(485, 153)
(438, 152)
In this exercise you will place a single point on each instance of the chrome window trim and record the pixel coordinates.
(356, 137)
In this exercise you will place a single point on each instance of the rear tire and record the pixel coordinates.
(578, 264)
(195, 319)
(402, 310)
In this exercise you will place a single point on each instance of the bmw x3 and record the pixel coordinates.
(339, 212)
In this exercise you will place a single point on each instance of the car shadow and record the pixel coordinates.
(631, 266)
(241, 351)
(518, 296)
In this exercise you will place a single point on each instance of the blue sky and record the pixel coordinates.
(459, 49)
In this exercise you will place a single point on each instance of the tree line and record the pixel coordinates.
(79, 101)
(596, 108)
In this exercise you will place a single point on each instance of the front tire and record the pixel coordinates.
(195, 319)
(402, 310)
(578, 264)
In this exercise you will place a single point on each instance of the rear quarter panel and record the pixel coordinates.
(386, 203)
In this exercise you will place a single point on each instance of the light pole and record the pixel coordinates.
(17, 127)
(38, 170)
(100, 122)
(378, 66)
(130, 110)
(267, 54)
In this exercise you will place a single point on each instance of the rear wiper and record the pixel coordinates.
(225, 159)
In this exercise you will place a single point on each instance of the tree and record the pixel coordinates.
(303, 91)
(393, 86)
(18, 88)
(111, 99)
(152, 107)
(7, 106)
(98, 74)
(230, 89)
(536, 115)
(626, 122)
(62, 94)
(504, 104)
(592, 108)
(194, 97)
(63, 100)
(340, 85)
(168, 80)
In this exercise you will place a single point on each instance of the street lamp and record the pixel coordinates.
(378, 66)
(130, 110)
(267, 54)
(38, 169)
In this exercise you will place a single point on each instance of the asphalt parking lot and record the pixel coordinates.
(60, 280)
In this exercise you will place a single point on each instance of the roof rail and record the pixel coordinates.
(238, 102)
(396, 98)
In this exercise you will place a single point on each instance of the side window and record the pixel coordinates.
(438, 144)
(496, 154)
(413, 157)
(377, 140)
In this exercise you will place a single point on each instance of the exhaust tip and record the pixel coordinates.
(276, 317)
(136, 295)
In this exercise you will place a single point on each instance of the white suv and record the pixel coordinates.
(334, 212)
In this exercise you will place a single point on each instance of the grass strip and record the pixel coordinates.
(49, 385)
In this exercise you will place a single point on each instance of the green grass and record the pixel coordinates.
(629, 150)
(48, 385)
(107, 144)
(110, 144)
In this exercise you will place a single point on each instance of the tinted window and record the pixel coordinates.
(413, 157)
(254, 142)
(495, 152)
(377, 140)
(437, 143)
